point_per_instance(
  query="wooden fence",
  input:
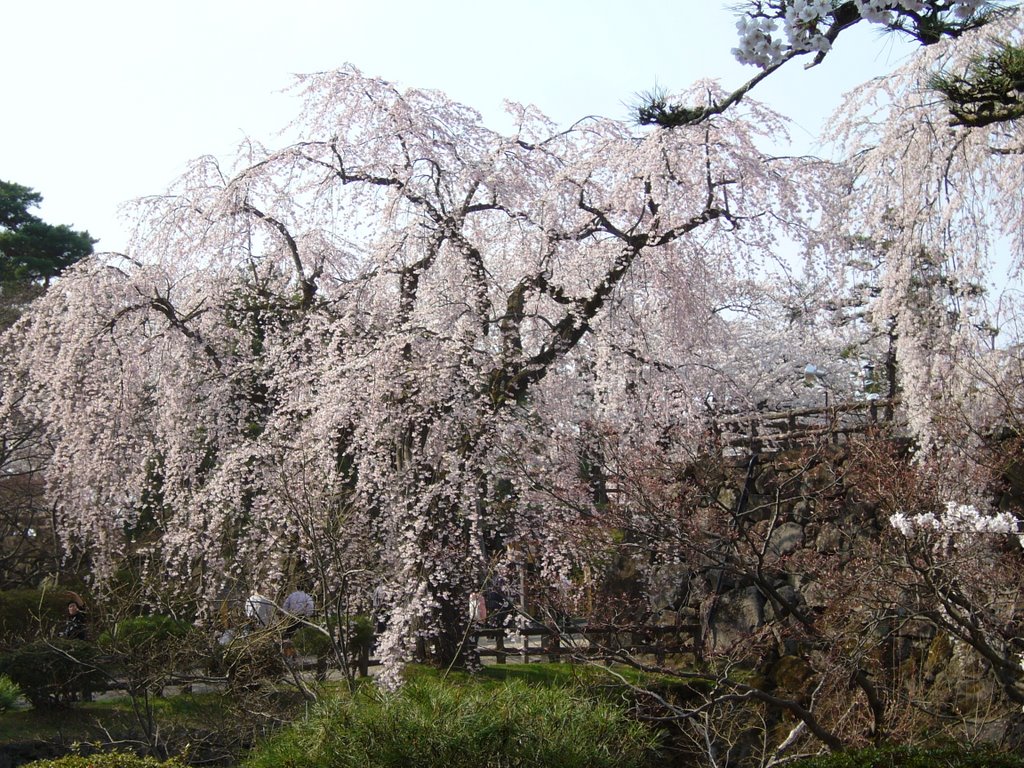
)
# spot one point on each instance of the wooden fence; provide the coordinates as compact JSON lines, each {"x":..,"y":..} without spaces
{"x":578,"y":640}
{"x":590,"y":641}
{"x":778,"y":430}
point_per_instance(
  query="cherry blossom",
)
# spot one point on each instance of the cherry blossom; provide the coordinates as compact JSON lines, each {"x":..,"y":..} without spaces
{"x":374,"y":356}
{"x":956,"y":519}
{"x":813,"y":25}
{"x":354,"y":353}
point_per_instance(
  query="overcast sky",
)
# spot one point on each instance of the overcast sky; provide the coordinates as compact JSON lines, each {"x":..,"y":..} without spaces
{"x":107,"y":101}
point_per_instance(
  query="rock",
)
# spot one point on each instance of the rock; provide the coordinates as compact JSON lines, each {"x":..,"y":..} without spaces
{"x":803,"y":510}
{"x":786,"y":539}
{"x":666,"y":586}
{"x":829,"y":539}
{"x":776,"y":610}
{"x":733,"y":617}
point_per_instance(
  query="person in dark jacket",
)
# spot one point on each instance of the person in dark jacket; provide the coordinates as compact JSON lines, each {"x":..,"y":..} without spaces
{"x":75,"y":627}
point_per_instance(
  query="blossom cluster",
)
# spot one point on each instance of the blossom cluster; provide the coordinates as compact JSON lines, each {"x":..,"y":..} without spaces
{"x":958,"y":519}
{"x":806,"y":24}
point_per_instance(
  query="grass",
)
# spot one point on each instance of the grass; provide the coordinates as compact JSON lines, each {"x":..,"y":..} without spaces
{"x":462,"y":721}
{"x":89,"y":721}
{"x":209,"y":717}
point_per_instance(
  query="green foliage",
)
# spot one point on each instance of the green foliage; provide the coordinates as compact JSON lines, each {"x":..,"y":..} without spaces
{"x":15,"y":200}
{"x":146,"y":635}
{"x":106,"y":760}
{"x":26,"y":614}
{"x":361,"y":631}
{"x":31,"y":251}
{"x":310,"y":641}
{"x":431,"y":722}
{"x":991,"y":89}
{"x":53,"y":672}
{"x":147,"y":649}
{"x":913,"y":757}
{"x":40,"y":251}
{"x":655,"y":108}
{"x":9,"y":693}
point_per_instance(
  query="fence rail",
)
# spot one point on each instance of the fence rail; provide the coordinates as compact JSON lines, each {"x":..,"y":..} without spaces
{"x":577,"y":640}
{"x":785,"y":429}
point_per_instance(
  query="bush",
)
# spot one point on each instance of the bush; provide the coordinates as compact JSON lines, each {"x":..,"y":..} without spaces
{"x":250,"y":660}
{"x":9,"y":693}
{"x":145,"y":634}
{"x":313,"y":641}
{"x":436,"y":723}
{"x":105,"y":760}
{"x":148,"y":649}
{"x":913,"y":757}
{"x":310,"y":641}
{"x":26,"y":614}
{"x":53,"y":672}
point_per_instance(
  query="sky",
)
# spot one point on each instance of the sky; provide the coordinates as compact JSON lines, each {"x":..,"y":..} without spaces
{"x":108,"y":101}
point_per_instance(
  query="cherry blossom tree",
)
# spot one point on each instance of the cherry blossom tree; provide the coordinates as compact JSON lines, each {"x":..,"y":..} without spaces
{"x":348,"y":337}
{"x":372,"y":354}
{"x":938,"y":204}
{"x":774,"y":32}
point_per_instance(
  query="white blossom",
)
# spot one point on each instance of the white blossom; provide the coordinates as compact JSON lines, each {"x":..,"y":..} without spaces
{"x":956,"y":519}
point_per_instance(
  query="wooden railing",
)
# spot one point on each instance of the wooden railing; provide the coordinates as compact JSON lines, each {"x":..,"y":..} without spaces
{"x":784,"y":429}
{"x":577,"y":640}
{"x":590,"y":641}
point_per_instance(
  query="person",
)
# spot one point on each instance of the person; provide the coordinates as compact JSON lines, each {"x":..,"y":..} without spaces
{"x":378,"y":609}
{"x":499,"y":607}
{"x":297,"y":607}
{"x":477,"y":609}
{"x":74,"y":628}
{"x":259,"y":610}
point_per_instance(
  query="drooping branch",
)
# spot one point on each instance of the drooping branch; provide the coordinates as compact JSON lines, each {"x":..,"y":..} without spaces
{"x":567,"y":333}
{"x":939,"y":19}
{"x":307,"y":283}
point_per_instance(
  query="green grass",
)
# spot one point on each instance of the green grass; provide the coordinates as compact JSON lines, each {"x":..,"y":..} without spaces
{"x":88,"y":721}
{"x":462,"y":722}
{"x":949,"y":756}
{"x":105,"y":760}
{"x":516,"y":685}
{"x":9,"y":693}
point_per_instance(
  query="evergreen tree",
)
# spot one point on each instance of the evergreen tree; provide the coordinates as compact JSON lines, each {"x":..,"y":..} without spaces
{"x":31,"y":251}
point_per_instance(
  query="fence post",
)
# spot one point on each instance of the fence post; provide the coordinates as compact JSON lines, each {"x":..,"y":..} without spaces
{"x":554,"y":647}
{"x":364,"y":659}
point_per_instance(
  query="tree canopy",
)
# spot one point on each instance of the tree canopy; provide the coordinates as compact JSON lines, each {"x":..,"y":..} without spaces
{"x":814,"y":26}
{"x":32,"y":252}
{"x":413,"y":352}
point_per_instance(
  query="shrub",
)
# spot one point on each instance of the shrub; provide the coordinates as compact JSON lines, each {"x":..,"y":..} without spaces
{"x":310,"y":641}
{"x":361,"y":632}
{"x":912,"y":757}
{"x":249,"y":660}
{"x":53,"y":672}
{"x":9,"y":693}
{"x":145,"y":634}
{"x":105,"y":760}
{"x":26,"y":614}
{"x":313,"y":641}
{"x":436,"y":723}
{"x":148,"y":649}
